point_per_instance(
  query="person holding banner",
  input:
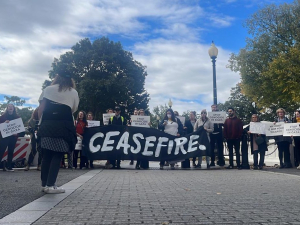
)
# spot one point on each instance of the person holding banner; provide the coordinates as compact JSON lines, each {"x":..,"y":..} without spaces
{"x":80,"y":125}
{"x":233,"y":131}
{"x":283,"y":143}
{"x":117,"y":119}
{"x":258,"y":144}
{"x":90,"y":116}
{"x":58,"y":102}
{"x":170,"y":125}
{"x":189,"y":128}
{"x":9,"y":142}
{"x":209,"y":127}
{"x":216,"y":138}
{"x":297,"y":141}
{"x":135,"y":113}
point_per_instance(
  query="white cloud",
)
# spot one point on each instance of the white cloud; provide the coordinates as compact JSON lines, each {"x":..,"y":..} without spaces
{"x":33,"y":32}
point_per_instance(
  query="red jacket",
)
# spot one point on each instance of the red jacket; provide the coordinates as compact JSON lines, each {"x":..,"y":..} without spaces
{"x":233,"y":128}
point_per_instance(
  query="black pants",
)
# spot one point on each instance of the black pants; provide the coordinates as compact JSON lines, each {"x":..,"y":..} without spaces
{"x":34,"y":150}
{"x":261,"y":159}
{"x":9,"y":143}
{"x":284,"y":152}
{"x":297,"y":150}
{"x":236,"y":143}
{"x":83,"y":159}
{"x":217,"y":139}
{"x":50,"y":167}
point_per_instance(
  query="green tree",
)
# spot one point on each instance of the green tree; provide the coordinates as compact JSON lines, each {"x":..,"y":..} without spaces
{"x":244,"y":107}
{"x":158,"y":113}
{"x":269,"y":65}
{"x":105,"y":75}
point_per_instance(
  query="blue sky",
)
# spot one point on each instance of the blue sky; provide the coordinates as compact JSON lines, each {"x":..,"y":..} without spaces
{"x":170,"y":37}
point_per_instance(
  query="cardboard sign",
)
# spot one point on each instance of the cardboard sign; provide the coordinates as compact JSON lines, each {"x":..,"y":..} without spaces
{"x":182,"y":119}
{"x":106,"y":117}
{"x":140,"y":121}
{"x":217,"y":117}
{"x":274,"y":129}
{"x":93,"y":123}
{"x":13,"y":127}
{"x":291,"y":129}
{"x":257,"y":128}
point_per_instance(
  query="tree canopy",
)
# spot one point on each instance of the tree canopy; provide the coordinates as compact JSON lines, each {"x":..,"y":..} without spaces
{"x":269,"y":65}
{"x":105,"y":75}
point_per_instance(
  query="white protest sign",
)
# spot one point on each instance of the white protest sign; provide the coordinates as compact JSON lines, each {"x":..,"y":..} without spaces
{"x":274,"y":129}
{"x":106,"y":117}
{"x":257,"y":128}
{"x":13,"y":127}
{"x":93,"y":123}
{"x":182,"y":119}
{"x":140,"y":121}
{"x":217,"y":117}
{"x":291,"y":129}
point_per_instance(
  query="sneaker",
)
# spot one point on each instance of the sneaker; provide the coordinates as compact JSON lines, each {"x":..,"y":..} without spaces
{"x":27,"y":168}
{"x":212,"y":164}
{"x":39,"y":168}
{"x":298,"y":168}
{"x":255,"y":167}
{"x":260,"y":168}
{"x":43,"y":188}
{"x":10,"y":170}
{"x":239,"y":167}
{"x":54,"y":190}
{"x":229,"y":167}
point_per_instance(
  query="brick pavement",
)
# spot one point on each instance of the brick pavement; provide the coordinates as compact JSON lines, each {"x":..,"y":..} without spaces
{"x":181,"y":197}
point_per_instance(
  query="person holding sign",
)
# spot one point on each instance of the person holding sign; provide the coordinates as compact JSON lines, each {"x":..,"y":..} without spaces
{"x":258,"y":145}
{"x":90,"y":116}
{"x":170,"y":125}
{"x":233,"y":131}
{"x":282,"y":142}
{"x":58,"y":102}
{"x":216,"y":138}
{"x":9,"y":142}
{"x":117,"y":119}
{"x":297,"y":141}
{"x":209,"y":127}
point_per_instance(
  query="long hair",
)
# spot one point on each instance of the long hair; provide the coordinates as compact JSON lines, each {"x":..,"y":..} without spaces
{"x":84,"y":117}
{"x":64,"y":83}
{"x":172,"y":115}
{"x":15,"y":115}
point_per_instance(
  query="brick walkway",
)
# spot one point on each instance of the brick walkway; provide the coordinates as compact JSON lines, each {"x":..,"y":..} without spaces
{"x":181,"y":197}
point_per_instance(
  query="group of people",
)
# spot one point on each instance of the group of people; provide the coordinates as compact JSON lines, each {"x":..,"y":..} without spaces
{"x":59,"y":135}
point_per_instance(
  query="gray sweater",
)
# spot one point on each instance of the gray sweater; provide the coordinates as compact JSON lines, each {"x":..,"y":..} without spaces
{"x":208,"y":125}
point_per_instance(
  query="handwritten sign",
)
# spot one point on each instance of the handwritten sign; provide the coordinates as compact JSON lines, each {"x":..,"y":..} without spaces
{"x":13,"y":127}
{"x":93,"y":123}
{"x":106,"y":117}
{"x":274,"y":129}
{"x":217,"y":117}
{"x":182,"y":119}
{"x":140,"y":121}
{"x":291,"y":129}
{"x":257,"y":128}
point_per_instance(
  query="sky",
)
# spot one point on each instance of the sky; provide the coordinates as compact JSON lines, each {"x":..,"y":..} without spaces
{"x":170,"y":37}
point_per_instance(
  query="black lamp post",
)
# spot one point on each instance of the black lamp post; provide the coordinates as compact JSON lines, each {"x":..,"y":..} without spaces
{"x":213,"y":53}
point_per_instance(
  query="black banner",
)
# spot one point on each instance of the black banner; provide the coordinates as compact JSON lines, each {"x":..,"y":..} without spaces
{"x":127,"y":142}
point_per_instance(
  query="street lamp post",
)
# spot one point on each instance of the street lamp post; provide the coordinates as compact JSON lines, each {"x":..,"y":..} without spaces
{"x":213,"y":53}
{"x":170,"y":103}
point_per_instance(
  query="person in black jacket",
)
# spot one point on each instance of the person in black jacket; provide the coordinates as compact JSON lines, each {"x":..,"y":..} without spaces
{"x":216,"y":138}
{"x":257,"y":147}
{"x":10,"y":141}
{"x":189,"y":128}
{"x":117,"y":119}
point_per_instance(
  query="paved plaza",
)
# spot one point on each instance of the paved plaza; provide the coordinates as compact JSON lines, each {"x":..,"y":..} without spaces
{"x":183,"y":197}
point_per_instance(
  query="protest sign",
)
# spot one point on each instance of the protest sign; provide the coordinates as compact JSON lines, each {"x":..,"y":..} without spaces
{"x":13,"y":127}
{"x":140,"y":121}
{"x":217,"y":117}
{"x":257,"y":128}
{"x":106,"y":117}
{"x":93,"y":123}
{"x":182,"y":119}
{"x":291,"y":129}
{"x":138,"y":143}
{"x":274,"y":129}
